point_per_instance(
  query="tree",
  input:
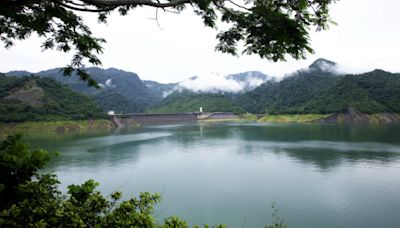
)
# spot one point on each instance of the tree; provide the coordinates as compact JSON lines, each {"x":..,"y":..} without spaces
{"x":31,"y":199}
{"x":272,"y":29}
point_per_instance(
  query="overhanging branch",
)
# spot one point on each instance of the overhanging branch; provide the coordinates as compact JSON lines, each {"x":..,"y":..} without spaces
{"x":116,"y":3}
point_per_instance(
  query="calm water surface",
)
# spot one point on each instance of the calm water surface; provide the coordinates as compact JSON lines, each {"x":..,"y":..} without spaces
{"x":231,"y":173}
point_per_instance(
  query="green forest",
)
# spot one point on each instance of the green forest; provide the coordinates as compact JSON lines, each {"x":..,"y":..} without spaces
{"x":43,"y":99}
{"x":309,"y":91}
{"x":191,"y":102}
{"x":315,"y":92}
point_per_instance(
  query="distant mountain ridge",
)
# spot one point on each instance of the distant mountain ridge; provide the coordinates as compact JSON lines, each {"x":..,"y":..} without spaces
{"x":124,"y":91}
{"x":249,"y":80}
{"x":320,"y":89}
{"x":230,"y":84}
{"x":121,"y":91}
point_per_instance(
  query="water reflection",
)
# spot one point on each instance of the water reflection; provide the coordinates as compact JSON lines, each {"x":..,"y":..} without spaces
{"x":320,"y":175}
{"x":323,"y":145}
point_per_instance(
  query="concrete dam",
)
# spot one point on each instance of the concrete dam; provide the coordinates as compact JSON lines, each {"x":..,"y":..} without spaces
{"x":131,"y":120}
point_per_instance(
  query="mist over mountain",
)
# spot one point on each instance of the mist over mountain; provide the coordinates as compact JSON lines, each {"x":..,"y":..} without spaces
{"x":160,"y":90}
{"x":123,"y":91}
{"x":324,"y":65}
{"x":212,"y":83}
{"x":321,"y":89}
{"x":187,"y":101}
{"x":249,"y":80}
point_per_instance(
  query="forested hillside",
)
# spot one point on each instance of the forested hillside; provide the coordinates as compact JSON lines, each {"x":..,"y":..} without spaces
{"x":120,"y":91}
{"x":318,"y":89}
{"x":34,"y":99}
{"x":160,"y":90}
{"x":191,"y":102}
{"x":321,"y":90}
{"x":372,"y":92}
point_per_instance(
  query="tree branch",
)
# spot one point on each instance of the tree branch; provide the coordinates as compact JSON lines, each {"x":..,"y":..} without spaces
{"x":237,"y":5}
{"x":116,"y":3}
{"x":84,"y":9}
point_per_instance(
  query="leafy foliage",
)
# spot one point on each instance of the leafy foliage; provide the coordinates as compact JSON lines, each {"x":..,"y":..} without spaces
{"x":270,"y":28}
{"x":17,"y":165}
{"x":61,"y":29}
{"x":34,"y":99}
{"x":277,"y":221}
{"x":36,"y":202}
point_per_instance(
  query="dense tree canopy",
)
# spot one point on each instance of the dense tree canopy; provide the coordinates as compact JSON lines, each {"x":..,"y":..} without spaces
{"x":272,"y":29}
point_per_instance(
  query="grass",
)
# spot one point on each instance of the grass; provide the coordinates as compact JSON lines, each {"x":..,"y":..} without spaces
{"x":374,"y":118}
{"x":56,"y":126}
{"x":301,"y":118}
{"x":248,"y":117}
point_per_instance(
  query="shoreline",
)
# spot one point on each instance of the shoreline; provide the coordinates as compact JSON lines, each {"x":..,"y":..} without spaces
{"x":82,"y":126}
{"x":57,"y":127}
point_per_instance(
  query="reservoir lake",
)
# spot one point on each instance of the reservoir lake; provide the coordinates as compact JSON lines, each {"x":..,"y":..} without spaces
{"x":317,"y":175}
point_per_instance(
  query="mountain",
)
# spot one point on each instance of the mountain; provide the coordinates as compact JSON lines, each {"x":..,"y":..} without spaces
{"x":292,"y":93}
{"x":323,"y":65}
{"x":374,"y":92}
{"x":320,"y":89}
{"x":191,"y":102}
{"x":120,"y":91}
{"x":249,"y":80}
{"x":34,"y":98}
{"x":123,"y":91}
{"x":230,"y":85}
{"x":160,"y":90}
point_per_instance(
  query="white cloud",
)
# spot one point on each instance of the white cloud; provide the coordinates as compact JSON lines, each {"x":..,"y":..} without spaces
{"x":211,"y":83}
{"x":252,"y":83}
{"x":338,"y":69}
{"x":167,"y":93}
{"x":109,"y":83}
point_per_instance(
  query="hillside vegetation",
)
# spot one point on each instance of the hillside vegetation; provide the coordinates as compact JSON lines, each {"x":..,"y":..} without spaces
{"x":42,"y":99}
{"x":320,"y":91}
{"x":120,"y":91}
{"x":191,"y":102}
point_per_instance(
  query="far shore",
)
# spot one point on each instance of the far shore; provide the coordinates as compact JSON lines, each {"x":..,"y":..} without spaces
{"x":82,"y":126}
{"x":61,"y":126}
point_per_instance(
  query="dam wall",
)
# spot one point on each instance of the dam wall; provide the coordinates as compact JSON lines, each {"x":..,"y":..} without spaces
{"x":131,"y":120}
{"x":222,"y":115}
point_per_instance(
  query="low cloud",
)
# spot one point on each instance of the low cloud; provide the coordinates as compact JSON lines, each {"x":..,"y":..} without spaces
{"x":109,"y":83}
{"x":254,"y":82}
{"x":336,"y":69}
{"x":211,"y":83}
{"x":345,"y":69}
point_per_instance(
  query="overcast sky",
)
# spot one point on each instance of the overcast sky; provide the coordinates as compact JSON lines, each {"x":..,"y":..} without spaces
{"x":367,"y":37}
